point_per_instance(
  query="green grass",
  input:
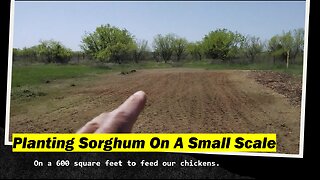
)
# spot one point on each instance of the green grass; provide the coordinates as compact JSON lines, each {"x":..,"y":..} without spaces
{"x":295,"y":70}
{"x":35,"y":74}
{"x":40,"y":73}
{"x":141,"y":65}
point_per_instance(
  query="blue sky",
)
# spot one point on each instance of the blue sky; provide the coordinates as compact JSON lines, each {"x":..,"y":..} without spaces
{"x":67,"y":22}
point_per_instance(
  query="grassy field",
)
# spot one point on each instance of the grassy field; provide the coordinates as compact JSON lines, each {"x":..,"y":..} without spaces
{"x":292,"y":70}
{"x":40,"y":73}
{"x":36,"y":74}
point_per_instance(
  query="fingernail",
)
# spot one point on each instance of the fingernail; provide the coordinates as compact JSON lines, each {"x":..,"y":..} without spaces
{"x":140,"y":93}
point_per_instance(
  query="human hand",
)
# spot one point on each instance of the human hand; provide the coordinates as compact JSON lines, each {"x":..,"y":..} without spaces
{"x":120,"y":120}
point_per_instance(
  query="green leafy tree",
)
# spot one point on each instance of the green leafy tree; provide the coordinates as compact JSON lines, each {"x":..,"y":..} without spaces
{"x":252,"y":47}
{"x":286,"y":41}
{"x":140,"y":50}
{"x":163,"y":45}
{"x":287,"y":45}
{"x":16,"y":52}
{"x":196,"y":50}
{"x":179,"y":47}
{"x":108,"y":44}
{"x":53,"y":51}
{"x":29,"y":54}
{"x":274,"y":47}
{"x":298,"y":43}
{"x":236,"y":45}
{"x":156,"y":55}
{"x":222,"y":44}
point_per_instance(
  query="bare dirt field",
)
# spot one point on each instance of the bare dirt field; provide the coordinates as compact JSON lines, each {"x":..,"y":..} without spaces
{"x":179,"y":101}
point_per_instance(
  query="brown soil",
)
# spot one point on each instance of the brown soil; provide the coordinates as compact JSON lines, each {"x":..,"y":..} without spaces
{"x":285,"y":84}
{"x":179,"y":101}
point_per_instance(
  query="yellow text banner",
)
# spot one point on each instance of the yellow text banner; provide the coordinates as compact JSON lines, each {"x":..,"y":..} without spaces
{"x":144,"y":143}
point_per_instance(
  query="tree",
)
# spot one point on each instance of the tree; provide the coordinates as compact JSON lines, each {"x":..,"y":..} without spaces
{"x":286,"y":41}
{"x":236,"y":46}
{"x":140,"y":50}
{"x":196,"y":50}
{"x":298,"y":43}
{"x":288,"y":45}
{"x":79,"y":55}
{"x":16,"y":52}
{"x":252,"y":47}
{"x":274,"y":47}
{"x":108,"y":43}
{"x":163,"y":45}
{"x":156,"y":55}
{"x":53,"y":51}
{"x":29,"y":54}
{"x":179,"y":47}
{"x":222,"y":44}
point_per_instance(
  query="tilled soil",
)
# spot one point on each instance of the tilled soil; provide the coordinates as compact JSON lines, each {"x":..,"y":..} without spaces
{"x":282,"y":83}
{"x":178,"y":101}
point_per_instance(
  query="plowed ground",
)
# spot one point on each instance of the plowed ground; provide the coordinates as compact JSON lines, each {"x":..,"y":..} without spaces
{"x":179,"y":101}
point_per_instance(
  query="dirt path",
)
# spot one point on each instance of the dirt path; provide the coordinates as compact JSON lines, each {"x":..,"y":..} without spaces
{"x":179,"y":101}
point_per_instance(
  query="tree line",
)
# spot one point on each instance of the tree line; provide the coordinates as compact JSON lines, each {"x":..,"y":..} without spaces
{"x":112,"y":44}
{"x":49,"y":51}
